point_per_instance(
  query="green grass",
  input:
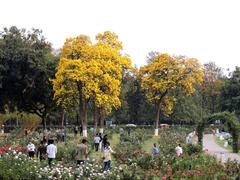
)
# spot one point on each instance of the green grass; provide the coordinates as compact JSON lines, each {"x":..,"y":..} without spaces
{"x":221,"y":143}
{"x":114,"y":141}
{"x":147,"y":145}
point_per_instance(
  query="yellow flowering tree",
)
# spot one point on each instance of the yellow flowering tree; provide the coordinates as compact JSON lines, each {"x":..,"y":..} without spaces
{"x":112,"y":65}
{"x":163,"y":75}
{"x":90,"y":72}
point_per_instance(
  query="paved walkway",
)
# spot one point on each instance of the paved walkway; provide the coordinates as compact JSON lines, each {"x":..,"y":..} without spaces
{"x":214,"y":149}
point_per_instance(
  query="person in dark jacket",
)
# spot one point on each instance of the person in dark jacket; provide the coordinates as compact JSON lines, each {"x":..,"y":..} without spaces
{"x":104,"y":141}
{"x":42,"y":151}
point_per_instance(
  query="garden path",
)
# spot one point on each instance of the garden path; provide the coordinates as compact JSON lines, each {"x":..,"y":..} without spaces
{"x":214,"y":149}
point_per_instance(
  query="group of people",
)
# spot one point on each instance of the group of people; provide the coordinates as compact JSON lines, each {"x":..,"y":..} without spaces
{"x":75,"y":130}
{"x":101,"y":143}
{"x":178,"y":150}
{"x":43,"y":151}
{"x":47,"y":150}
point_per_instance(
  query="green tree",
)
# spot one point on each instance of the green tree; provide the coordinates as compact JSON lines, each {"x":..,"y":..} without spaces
{"x":211,"y":87}
{"x":27,"y":64}
{"x":188,"y":109}
{"x":230,"y":93}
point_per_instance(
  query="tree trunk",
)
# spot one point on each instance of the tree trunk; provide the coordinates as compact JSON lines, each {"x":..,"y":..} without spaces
{"x":95,"y":119}
{"x":63,"y":118}
{"x":101,"y":120}
{"x":83,"y":116}
{"x":157,"y":119}
{"x":44,"y":122}
{"x":213,"y":104}
{"x":82,"y":110}
{"x":77,"y":118}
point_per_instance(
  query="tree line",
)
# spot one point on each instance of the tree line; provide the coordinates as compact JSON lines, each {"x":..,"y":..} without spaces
{"x":88,"y":82}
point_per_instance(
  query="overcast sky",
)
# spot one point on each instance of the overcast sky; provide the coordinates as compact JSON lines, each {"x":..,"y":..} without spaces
{"x":208,"y":30}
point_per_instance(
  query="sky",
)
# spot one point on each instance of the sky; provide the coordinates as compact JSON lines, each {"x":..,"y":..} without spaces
{"x":208,"y":30}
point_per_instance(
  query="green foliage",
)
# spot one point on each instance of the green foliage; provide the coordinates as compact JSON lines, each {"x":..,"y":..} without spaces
{"x":16,"y":168}
{"x":192,"y":149}
{"x":27,"y":63}
{"x":210,"y":89}
{"x":187,"y":109}
{"x":230,"y":93}
{"x":66,"y":151}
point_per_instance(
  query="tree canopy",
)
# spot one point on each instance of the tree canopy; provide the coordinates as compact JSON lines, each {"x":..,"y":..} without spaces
{"x":163,"y":75}
{"x":230,"y":93}
{"x":26,"y":64}
{"x":90,"y":72}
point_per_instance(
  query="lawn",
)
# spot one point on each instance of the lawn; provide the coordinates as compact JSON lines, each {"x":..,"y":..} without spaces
{"x":221,"y":143}
{"x":114,"y":141}
{"x":147,"y":145}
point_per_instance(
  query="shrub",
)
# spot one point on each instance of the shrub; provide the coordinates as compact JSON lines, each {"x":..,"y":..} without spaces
{"x":191,"y":149}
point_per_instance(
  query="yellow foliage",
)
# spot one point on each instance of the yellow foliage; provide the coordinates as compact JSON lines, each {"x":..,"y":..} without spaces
{"x":92,"y":71}
{"x":166,"y":73}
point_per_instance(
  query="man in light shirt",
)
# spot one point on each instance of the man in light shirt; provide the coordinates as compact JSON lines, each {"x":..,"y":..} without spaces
{"x":51,"y":151}
{"x":96,"y":140}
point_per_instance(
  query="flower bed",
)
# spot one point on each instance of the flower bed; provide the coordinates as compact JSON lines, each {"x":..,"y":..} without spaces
{"x":130,"y":162}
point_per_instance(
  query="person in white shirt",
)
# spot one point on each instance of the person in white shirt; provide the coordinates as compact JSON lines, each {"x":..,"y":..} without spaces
{"x":51,"y":151}
{"x":96,"y":140}
{"x":179,"y":150}
{"x":31,"y":150}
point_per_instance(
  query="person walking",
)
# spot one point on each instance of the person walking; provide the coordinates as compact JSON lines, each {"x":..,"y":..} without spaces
{"x":107,"y":157}
{"x":81,"y":152}
{"x":51,"y":151}
{"x":63,"y":134}
{"x":31,"y":150}
{"x":75,"y":131}
{"x":96,"y":140}
{"x":155,"y":150}
{"x":100,"y":143}
{"x":104,"y":141}
{"x":41,"y":151}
